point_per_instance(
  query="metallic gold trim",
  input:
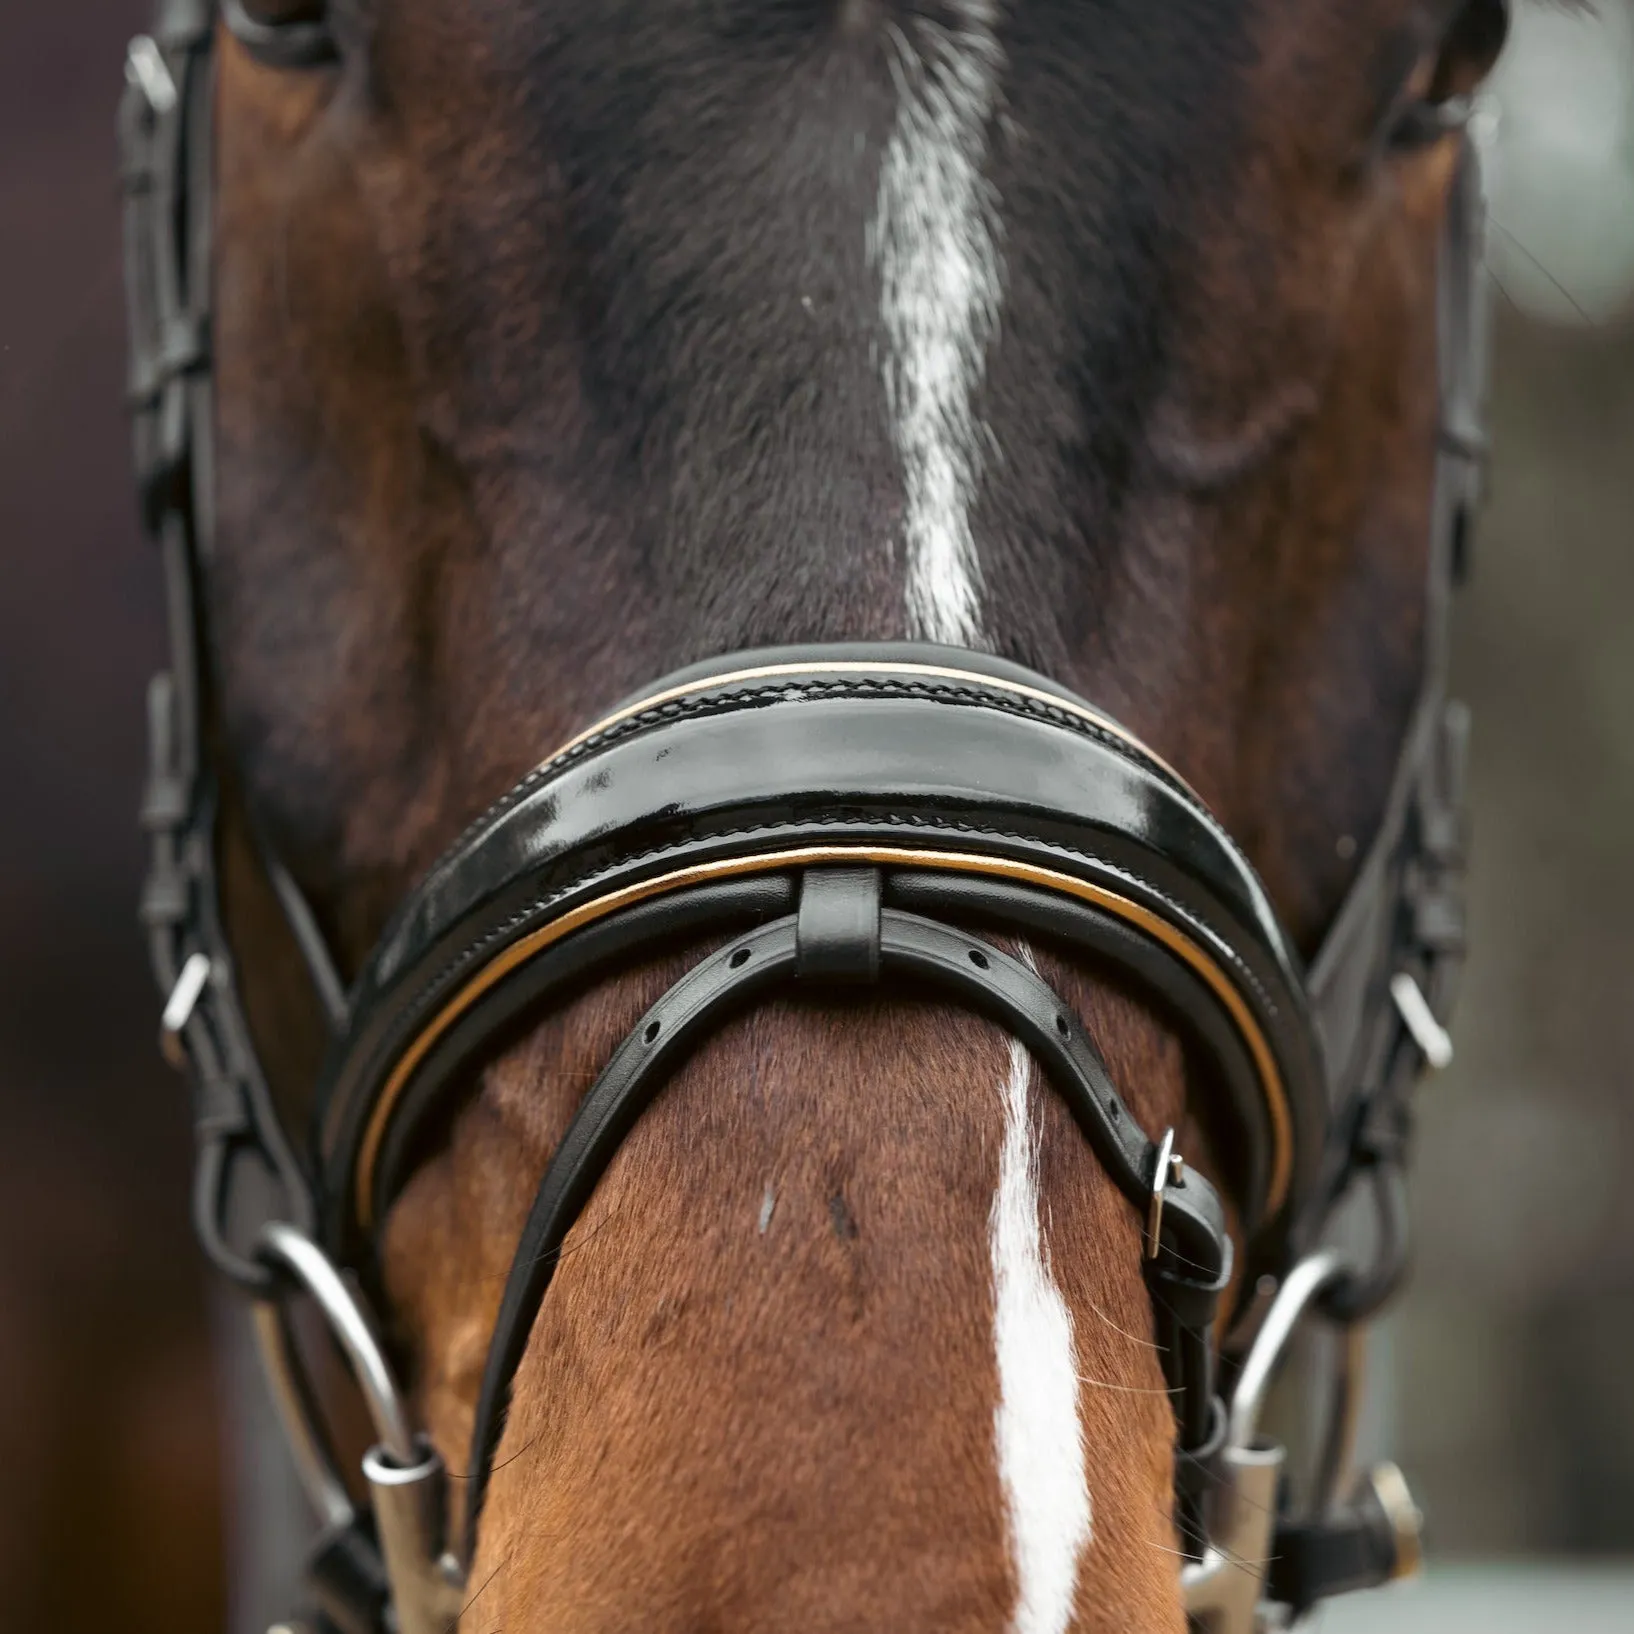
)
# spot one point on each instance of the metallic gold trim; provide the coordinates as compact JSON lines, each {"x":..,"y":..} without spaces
{"x":1395,"y":1498}
{"x":851,"y":666}
{"x":883,"y":856}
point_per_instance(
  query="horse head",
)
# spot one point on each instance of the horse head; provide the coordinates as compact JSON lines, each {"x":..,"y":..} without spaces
{"x":558,"y":347}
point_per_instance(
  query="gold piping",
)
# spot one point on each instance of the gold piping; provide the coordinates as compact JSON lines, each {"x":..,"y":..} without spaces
{"x":1177,"y":941}
{"x":850,"y":666}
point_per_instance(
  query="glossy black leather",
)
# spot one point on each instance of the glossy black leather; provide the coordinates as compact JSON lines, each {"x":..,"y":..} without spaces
{"x":685,"y":917}
{"x":746,"y":767}
{"x":799,"y":753}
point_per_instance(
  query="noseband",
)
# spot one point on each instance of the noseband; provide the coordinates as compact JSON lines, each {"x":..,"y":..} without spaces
{"x":835,"y":818}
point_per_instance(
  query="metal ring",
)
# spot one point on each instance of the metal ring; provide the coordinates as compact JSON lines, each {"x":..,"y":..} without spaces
{"x":1294,"y":1298}
{"x":1302,"y":1294}
{"x":298,"y":1413}
{"x":292,"y":1251}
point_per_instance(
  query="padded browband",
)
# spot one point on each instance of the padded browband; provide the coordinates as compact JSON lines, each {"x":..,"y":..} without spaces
{"x":978,"y":786}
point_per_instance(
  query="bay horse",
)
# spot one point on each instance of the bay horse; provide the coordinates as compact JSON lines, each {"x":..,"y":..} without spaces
{"x":508,"y":356}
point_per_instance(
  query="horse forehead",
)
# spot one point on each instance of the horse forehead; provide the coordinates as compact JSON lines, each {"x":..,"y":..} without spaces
{"x":687,"y":86}
{"x":702,"y":184}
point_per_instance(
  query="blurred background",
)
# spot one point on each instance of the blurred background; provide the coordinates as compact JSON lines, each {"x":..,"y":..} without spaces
{"x":1504,"y":1389}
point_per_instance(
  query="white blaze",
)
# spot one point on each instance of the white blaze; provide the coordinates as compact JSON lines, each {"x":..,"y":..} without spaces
{"x":933,"y":239}
{"x":1040,"y":1441}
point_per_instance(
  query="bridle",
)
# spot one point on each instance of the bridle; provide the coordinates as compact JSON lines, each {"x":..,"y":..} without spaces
{"x":834,"y":817}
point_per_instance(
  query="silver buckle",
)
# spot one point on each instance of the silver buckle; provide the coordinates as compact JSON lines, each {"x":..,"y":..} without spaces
{"x":179,"y":1007}
{"x":1428,"y":1033}
{"x":147,"y":70}
{"x":1170,"y":1168}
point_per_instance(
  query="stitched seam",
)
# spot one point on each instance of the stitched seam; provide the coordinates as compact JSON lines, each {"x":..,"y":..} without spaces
{"x":792,"y":688}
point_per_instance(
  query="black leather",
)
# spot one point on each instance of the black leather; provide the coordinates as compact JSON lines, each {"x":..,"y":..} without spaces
{"x":670,"y":922}
{"x":837,"y":935}
{"x":167,"y":185}
{"x":876,"y":757}
{"x":347,"y":1580}
{"x":807,"y":749}
{"x":1314,"y":1560}
{"x":843,"y":933}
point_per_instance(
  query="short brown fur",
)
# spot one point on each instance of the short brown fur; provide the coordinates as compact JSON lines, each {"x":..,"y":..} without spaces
{"x":484,"y":469}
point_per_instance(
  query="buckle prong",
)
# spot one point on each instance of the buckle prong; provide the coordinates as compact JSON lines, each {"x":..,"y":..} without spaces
{"x":1170,"y":1167}
{"x":1428,"y":1033}
{"x":179,"y":1007}
{"x":146,"y":68}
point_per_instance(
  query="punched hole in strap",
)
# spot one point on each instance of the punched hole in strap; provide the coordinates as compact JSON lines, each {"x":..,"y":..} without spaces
{"x":837,"y":930}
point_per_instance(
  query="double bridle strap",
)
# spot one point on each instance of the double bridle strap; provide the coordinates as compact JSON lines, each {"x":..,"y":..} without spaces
{"x":919,"y":760}
{"x":831,"y":811}
{"x":842,"y":934}
{"x":829,"y":819}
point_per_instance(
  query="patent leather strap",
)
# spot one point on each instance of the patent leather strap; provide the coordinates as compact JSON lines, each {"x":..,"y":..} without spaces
{"x":911,"y":758}
{"x":843,"y":935}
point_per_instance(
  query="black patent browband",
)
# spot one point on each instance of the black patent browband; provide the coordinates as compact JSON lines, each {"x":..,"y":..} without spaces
{"x":580,"y":840}
{"x":779,"y":667}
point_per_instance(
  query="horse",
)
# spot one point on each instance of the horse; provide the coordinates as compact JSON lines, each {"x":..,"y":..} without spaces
{"x":1014,"y":354}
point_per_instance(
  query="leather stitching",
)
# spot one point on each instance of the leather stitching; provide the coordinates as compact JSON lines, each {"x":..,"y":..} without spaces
{"x":793,"y":690}
{"x":433,"y":989}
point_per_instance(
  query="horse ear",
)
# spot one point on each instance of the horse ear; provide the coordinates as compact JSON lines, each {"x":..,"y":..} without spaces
{"x":1440,"y":96}
{"x":1471,"y":48}
{"x":281,"y":33}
